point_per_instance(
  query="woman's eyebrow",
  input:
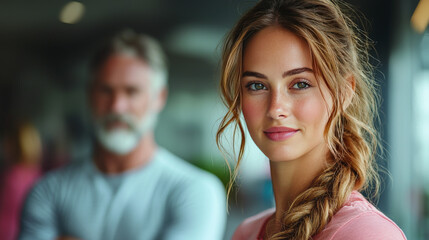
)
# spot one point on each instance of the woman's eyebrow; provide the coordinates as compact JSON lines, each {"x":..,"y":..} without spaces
{"x":296,"y":71}
{"x":253,"y":74}
{"x":285,"y":74}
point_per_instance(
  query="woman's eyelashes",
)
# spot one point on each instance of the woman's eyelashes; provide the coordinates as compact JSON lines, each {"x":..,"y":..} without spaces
{"x":300,"y":84}
{"x":255,"y":86}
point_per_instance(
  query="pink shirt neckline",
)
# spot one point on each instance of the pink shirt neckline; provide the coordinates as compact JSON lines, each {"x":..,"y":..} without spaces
{"x":261,"y":233}
{"x":354,"y":196}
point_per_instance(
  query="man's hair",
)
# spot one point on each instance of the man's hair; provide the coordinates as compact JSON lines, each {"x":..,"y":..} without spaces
{"x":141,"y":46}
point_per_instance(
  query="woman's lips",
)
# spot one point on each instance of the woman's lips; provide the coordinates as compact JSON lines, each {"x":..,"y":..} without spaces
{"x":280,"y":133}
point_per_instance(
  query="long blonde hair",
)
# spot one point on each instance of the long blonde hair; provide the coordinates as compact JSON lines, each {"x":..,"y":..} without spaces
{"x":339,"y":51}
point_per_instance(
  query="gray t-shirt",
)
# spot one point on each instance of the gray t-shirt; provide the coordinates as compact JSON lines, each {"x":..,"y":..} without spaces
{"x":166,"y":199}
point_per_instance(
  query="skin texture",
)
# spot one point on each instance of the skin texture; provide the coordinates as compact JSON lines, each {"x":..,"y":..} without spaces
{"x":293,"y":101}
{"x":280,"y":89}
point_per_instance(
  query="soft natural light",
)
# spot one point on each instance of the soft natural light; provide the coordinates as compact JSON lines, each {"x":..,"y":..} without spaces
{"x":72,"y":12}
{"x":420,"y":18}
{"x":421,"y":126}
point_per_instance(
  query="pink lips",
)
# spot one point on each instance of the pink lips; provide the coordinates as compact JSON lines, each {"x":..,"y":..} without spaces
{"x":280,"y":133}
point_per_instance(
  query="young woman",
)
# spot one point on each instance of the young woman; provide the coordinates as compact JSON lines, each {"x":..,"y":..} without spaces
{"x":298,"y":72}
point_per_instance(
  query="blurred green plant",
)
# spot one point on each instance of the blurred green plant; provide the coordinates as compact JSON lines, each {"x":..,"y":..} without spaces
{"x":216,"y":166}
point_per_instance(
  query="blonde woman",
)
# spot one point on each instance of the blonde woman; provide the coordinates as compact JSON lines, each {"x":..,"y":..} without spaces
{"x":298,"y":72}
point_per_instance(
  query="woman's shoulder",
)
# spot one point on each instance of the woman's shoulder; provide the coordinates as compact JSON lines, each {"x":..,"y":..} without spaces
{"x":359,"y":219}
{"x":251,"y":227}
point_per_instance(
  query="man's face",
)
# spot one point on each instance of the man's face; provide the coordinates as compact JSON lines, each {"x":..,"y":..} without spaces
{"x":124,"y":104}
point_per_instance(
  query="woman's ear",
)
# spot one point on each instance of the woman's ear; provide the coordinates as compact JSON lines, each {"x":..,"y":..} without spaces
{"x":349,"y":92}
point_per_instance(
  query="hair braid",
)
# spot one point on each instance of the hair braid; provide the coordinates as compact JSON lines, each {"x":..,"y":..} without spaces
{"x":314,"y":208}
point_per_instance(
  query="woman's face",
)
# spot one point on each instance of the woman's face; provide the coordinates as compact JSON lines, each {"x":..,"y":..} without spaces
{"x":286,"y":109}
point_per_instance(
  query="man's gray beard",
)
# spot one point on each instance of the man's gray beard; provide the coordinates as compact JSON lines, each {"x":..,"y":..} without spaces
{"x":123,"y":140}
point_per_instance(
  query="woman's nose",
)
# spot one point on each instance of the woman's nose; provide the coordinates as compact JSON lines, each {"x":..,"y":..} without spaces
{"x":278,"y":106}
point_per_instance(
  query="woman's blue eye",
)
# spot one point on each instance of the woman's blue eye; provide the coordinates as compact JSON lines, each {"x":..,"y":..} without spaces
{"x":301,"y":85}
{"x":256,"y":86}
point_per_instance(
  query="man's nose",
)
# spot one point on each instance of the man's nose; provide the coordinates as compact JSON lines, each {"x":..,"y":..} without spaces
{"x":118,"y":104}
{"x":279,"y":105}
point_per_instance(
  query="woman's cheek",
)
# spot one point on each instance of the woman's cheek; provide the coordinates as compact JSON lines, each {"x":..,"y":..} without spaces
{"x":252,"y":111}
{"x":311,"y":112}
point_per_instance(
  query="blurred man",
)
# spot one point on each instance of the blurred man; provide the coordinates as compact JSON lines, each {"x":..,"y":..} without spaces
{"x":131,"y":188}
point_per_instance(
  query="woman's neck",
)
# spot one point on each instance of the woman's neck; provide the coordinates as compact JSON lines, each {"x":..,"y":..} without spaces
{"x":291,"y":178}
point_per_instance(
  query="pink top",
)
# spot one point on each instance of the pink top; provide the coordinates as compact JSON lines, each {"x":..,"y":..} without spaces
{"x":15,"y":183}
{"x":357,"y":219}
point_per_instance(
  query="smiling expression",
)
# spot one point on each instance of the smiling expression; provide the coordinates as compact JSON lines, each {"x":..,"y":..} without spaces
{"x":284,"y":105}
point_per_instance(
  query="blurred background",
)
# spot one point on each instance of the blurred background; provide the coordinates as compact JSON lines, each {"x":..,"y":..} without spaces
{"x":45,"y":47}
